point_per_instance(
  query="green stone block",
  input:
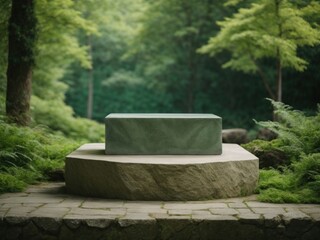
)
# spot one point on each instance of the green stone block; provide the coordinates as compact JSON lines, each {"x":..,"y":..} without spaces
{"x":163,"y":134}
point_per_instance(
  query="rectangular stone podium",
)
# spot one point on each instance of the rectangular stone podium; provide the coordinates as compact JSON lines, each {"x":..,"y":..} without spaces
{"x":163,"y":134}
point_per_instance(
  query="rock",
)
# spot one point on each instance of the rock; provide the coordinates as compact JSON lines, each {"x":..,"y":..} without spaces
{"x":268,"y":153}
{"x":271,"y":158}
{"x":13,"y":232}
{"x":66,"y":233}
{"x":50,"y":225}
{"x":235,"y":135}
{"x":72,"y":223}
{"x":266,"y":134}
{"x":30,"y":231}
{"x":15,"y":220}
{"x":161,"y":177}
{"x":98,"y":223}
{"x":147,"y":134}
{"x":56,"y":175}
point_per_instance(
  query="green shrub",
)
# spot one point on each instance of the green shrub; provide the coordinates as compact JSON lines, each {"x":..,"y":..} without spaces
{"x":299,"y":138}
{"x":31,"y":154}
{"x":28,"y":176}
{"x":307,"y":172}
{"x":28,"y":154}
{"x":276,"y":195}
{"x":275,"y":179}
{"x":59,"y":118}
{"x":297,"y":133}
{"x":9,"y":183}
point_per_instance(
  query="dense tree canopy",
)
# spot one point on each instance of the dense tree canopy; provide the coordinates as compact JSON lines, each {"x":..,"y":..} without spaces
{"x":142,"y":56}
{"x":267,"y":29}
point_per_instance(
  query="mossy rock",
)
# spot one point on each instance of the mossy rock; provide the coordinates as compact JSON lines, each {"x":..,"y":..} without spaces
{"x":268,"y":152}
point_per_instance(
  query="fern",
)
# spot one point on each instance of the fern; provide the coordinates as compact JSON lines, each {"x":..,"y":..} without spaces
{"x":299,"y":133}
{"x":27,"y":154}
{"x":299,"y":138}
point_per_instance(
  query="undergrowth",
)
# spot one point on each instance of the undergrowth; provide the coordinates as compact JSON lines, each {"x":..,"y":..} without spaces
{"x":27,"y":154}
{"x":298,"y":181}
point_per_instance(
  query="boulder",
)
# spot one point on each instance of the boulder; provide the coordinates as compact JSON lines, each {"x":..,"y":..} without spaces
{"x":235,"y":135}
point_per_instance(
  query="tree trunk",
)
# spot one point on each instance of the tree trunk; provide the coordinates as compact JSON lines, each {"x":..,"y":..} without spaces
{"x":279,"y":77}
{"x":279,"y":65}
{"x":190,"y":61}
{"x":90,"y":83}
{"x":22,"y":35}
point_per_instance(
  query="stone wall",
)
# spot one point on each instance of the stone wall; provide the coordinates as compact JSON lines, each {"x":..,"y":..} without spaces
{"x":217,"y":228}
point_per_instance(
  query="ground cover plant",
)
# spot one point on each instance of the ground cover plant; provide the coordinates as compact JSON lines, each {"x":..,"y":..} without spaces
{"x":298,"y":178}
{"x":27,"y":155}
{"x":32,"y":154}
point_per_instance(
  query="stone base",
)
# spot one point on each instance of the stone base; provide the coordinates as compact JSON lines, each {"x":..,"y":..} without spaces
{"x":90,"y":172}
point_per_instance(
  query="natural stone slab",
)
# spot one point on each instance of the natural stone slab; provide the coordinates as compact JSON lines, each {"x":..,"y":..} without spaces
{"x":180,"y":212}
{"x":238,"y":205}
{"x":20,"y":211}
{"x":102,"y":204}
{"x":146,"y":210}
{"x":243,"y":210}
{"x":161,"y":177}
{"x":143,"y":204}
{"x":268,"y":210}
{"x":163,"y":134}
{"x":223,"y":211}
{"x":215,"y":217}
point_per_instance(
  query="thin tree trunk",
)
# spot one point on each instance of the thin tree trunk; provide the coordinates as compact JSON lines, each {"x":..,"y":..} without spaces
{"x":190,"y":62}
{"x":22,"y":35}
{"x":279,"y":77}
{"x":191,"y":84}
{"x":90,"y":83}
{"x":279,"y":65}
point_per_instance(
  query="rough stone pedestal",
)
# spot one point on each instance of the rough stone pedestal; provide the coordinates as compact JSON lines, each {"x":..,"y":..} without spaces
{"x":90,"y":172}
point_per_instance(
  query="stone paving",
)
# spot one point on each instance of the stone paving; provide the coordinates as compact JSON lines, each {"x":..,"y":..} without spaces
{"x":46,"y":212}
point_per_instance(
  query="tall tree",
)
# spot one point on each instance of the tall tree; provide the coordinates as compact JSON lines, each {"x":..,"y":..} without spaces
{"x":267,"y":29}
{"x":22,"y":36}
{"x":172,"y":31}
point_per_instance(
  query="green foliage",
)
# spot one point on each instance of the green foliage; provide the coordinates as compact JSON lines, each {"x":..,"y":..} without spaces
{"x":154,"y":43}
{"x":28,"y":153}
{"x":253,"y":33}
{"x":274,"y":179}
{"x":299,"y":139}
{"x":9,"y":183}
{"x":262,"y":145}
{"x":276,"y":195}
{"x":297,"y":132}
{"x":266,"y":30}
{"x":299,"y":185}
{"x":307,"y":172}
{"x":28,"y":176}
{"x":59,"y":118}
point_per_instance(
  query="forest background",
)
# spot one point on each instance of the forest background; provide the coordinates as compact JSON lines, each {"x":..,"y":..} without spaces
{"x":129,"y":56}
{"x":95,"y":57}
